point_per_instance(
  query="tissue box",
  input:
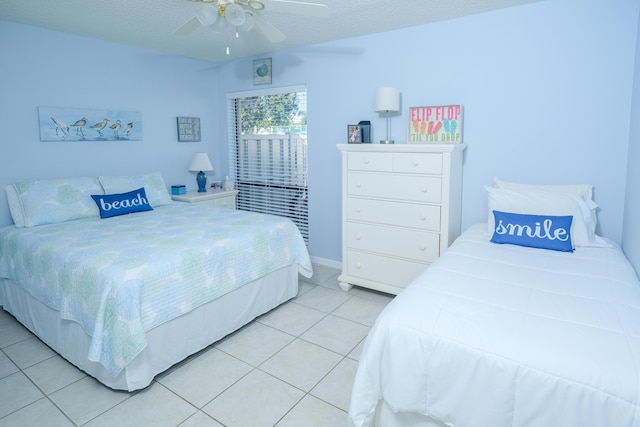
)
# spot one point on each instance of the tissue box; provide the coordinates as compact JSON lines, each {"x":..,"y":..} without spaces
{"x":178,"y":189}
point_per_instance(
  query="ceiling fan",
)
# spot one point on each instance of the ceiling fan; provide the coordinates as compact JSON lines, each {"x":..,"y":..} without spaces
{"x":244,"y":15}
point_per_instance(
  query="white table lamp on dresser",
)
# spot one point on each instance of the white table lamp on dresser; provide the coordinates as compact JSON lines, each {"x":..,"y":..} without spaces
{"x":387,"y":102}
{"x":401,"y":208}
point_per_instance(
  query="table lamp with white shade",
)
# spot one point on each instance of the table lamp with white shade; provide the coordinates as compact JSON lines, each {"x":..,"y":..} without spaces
{"x":387,"y":101}
{"x":201,"y":163}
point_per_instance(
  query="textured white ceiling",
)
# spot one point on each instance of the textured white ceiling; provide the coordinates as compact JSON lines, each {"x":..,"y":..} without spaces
{"x":151,"y":23}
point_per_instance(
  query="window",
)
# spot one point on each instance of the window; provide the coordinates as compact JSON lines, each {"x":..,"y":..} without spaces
{"x":268,"y":152}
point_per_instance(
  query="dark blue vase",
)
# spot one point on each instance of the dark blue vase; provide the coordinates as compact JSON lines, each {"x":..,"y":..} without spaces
{"x":202,"y":182}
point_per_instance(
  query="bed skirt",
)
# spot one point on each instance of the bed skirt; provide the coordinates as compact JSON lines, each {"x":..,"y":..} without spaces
{"x":386,"y":417}
{"x":168,"y":343}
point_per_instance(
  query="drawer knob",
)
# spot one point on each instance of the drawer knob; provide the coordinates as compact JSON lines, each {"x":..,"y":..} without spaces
{"x":366,"y":161}
{"x":416,"y":163}
{"x":358,"y":236}
{"x":358,"y":210}
{"x":423,"y":217}
{"x":423,"y":247}
{"x":424,"y":189}
{"x":358,"y":184}
{"x":358,"y":265}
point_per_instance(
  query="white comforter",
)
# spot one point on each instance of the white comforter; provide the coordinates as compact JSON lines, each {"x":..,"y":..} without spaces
{"x":502,"y":335}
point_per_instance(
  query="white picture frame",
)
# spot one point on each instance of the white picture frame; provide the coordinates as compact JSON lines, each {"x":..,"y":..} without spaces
{"x":262,"y":71}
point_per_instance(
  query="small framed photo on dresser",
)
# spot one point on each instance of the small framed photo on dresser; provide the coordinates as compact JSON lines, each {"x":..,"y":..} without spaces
{"x":354,"y":134}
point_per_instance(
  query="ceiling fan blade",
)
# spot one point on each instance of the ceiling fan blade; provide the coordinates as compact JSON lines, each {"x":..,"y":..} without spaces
{"x":188,"y":27}
{"x":297,"y":7}
{"x":271,"y":33}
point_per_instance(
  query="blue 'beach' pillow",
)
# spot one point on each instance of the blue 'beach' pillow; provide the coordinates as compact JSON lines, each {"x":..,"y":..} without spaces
{"x":534,"y":231}
{"x":123,"y":203}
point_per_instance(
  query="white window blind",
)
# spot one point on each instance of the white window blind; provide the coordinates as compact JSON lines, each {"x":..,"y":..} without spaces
{"x":268,"y":152}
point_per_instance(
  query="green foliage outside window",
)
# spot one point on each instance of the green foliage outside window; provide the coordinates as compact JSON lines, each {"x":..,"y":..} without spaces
{"x":271,"y":114}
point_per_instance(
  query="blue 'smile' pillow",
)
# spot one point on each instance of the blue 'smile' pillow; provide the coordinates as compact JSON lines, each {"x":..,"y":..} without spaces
{"x":123,"y":203}
{"x":534,"y":231}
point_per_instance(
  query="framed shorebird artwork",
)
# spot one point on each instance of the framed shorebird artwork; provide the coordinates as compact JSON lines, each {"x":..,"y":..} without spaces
{"x":59,"y":124}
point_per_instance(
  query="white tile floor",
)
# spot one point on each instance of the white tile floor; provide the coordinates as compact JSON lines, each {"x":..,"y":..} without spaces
{"x":293,"y":366}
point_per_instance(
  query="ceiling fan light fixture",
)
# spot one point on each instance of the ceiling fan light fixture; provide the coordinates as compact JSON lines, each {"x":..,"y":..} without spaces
{"x":242,"y":15}
{"x":255,"y":4}
{"x":235,"y":14}
{"x":207,"y":15}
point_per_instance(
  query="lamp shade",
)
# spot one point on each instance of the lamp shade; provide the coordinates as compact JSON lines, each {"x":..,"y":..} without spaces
{"x":200,"y":162}
{"x":387,"y":99}
{"x":235,"y":14}
{"x":207,"y":14}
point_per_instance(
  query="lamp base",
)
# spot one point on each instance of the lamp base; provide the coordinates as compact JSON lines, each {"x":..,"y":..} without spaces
{"x":386,"y":141}
{"x":201,"y":179}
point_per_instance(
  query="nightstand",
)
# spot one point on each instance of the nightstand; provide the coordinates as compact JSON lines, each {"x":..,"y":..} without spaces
{"x":218,"y":198}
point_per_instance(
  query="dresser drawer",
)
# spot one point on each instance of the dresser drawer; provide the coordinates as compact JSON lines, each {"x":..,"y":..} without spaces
{"x":423,"y":217}
{"x":428,"y":163}
{"x":398,"y":242}
{"x":381,"y":162}
{"x":382,"y":269}
{"x":228,"y":202}
{"x":395,"y":186}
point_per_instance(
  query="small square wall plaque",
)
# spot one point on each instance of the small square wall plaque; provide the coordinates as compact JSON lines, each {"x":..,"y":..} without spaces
{"x":262,"y":71}
{"x":188,"y":129}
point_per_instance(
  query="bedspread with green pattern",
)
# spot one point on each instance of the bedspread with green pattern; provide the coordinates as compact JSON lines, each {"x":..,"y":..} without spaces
{"x":122,"y":276}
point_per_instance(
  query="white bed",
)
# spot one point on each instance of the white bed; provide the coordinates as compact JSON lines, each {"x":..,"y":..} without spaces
{"x":125,"y":298}
{"x":505,"y":335}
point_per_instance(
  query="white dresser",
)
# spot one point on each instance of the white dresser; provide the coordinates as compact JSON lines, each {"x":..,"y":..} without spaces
{"x":401,"y":207}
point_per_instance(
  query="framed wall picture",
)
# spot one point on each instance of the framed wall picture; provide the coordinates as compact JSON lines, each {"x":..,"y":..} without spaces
{"x":437,"y":124}
{"x":188,"y":129}
{"x":262,"y":71}
{"x":84,"y":124}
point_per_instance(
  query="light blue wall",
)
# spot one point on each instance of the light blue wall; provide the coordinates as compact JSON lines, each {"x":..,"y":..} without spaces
{"x":546,"y":89}
{"x":46,"y":68}
{"x":631,"y":226}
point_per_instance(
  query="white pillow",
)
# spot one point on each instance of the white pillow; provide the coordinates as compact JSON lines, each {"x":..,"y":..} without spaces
{"x":585,"y":190}
{"x":536,"y":202}
{"x":14,"y":205}
{"x":154,"y":187}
